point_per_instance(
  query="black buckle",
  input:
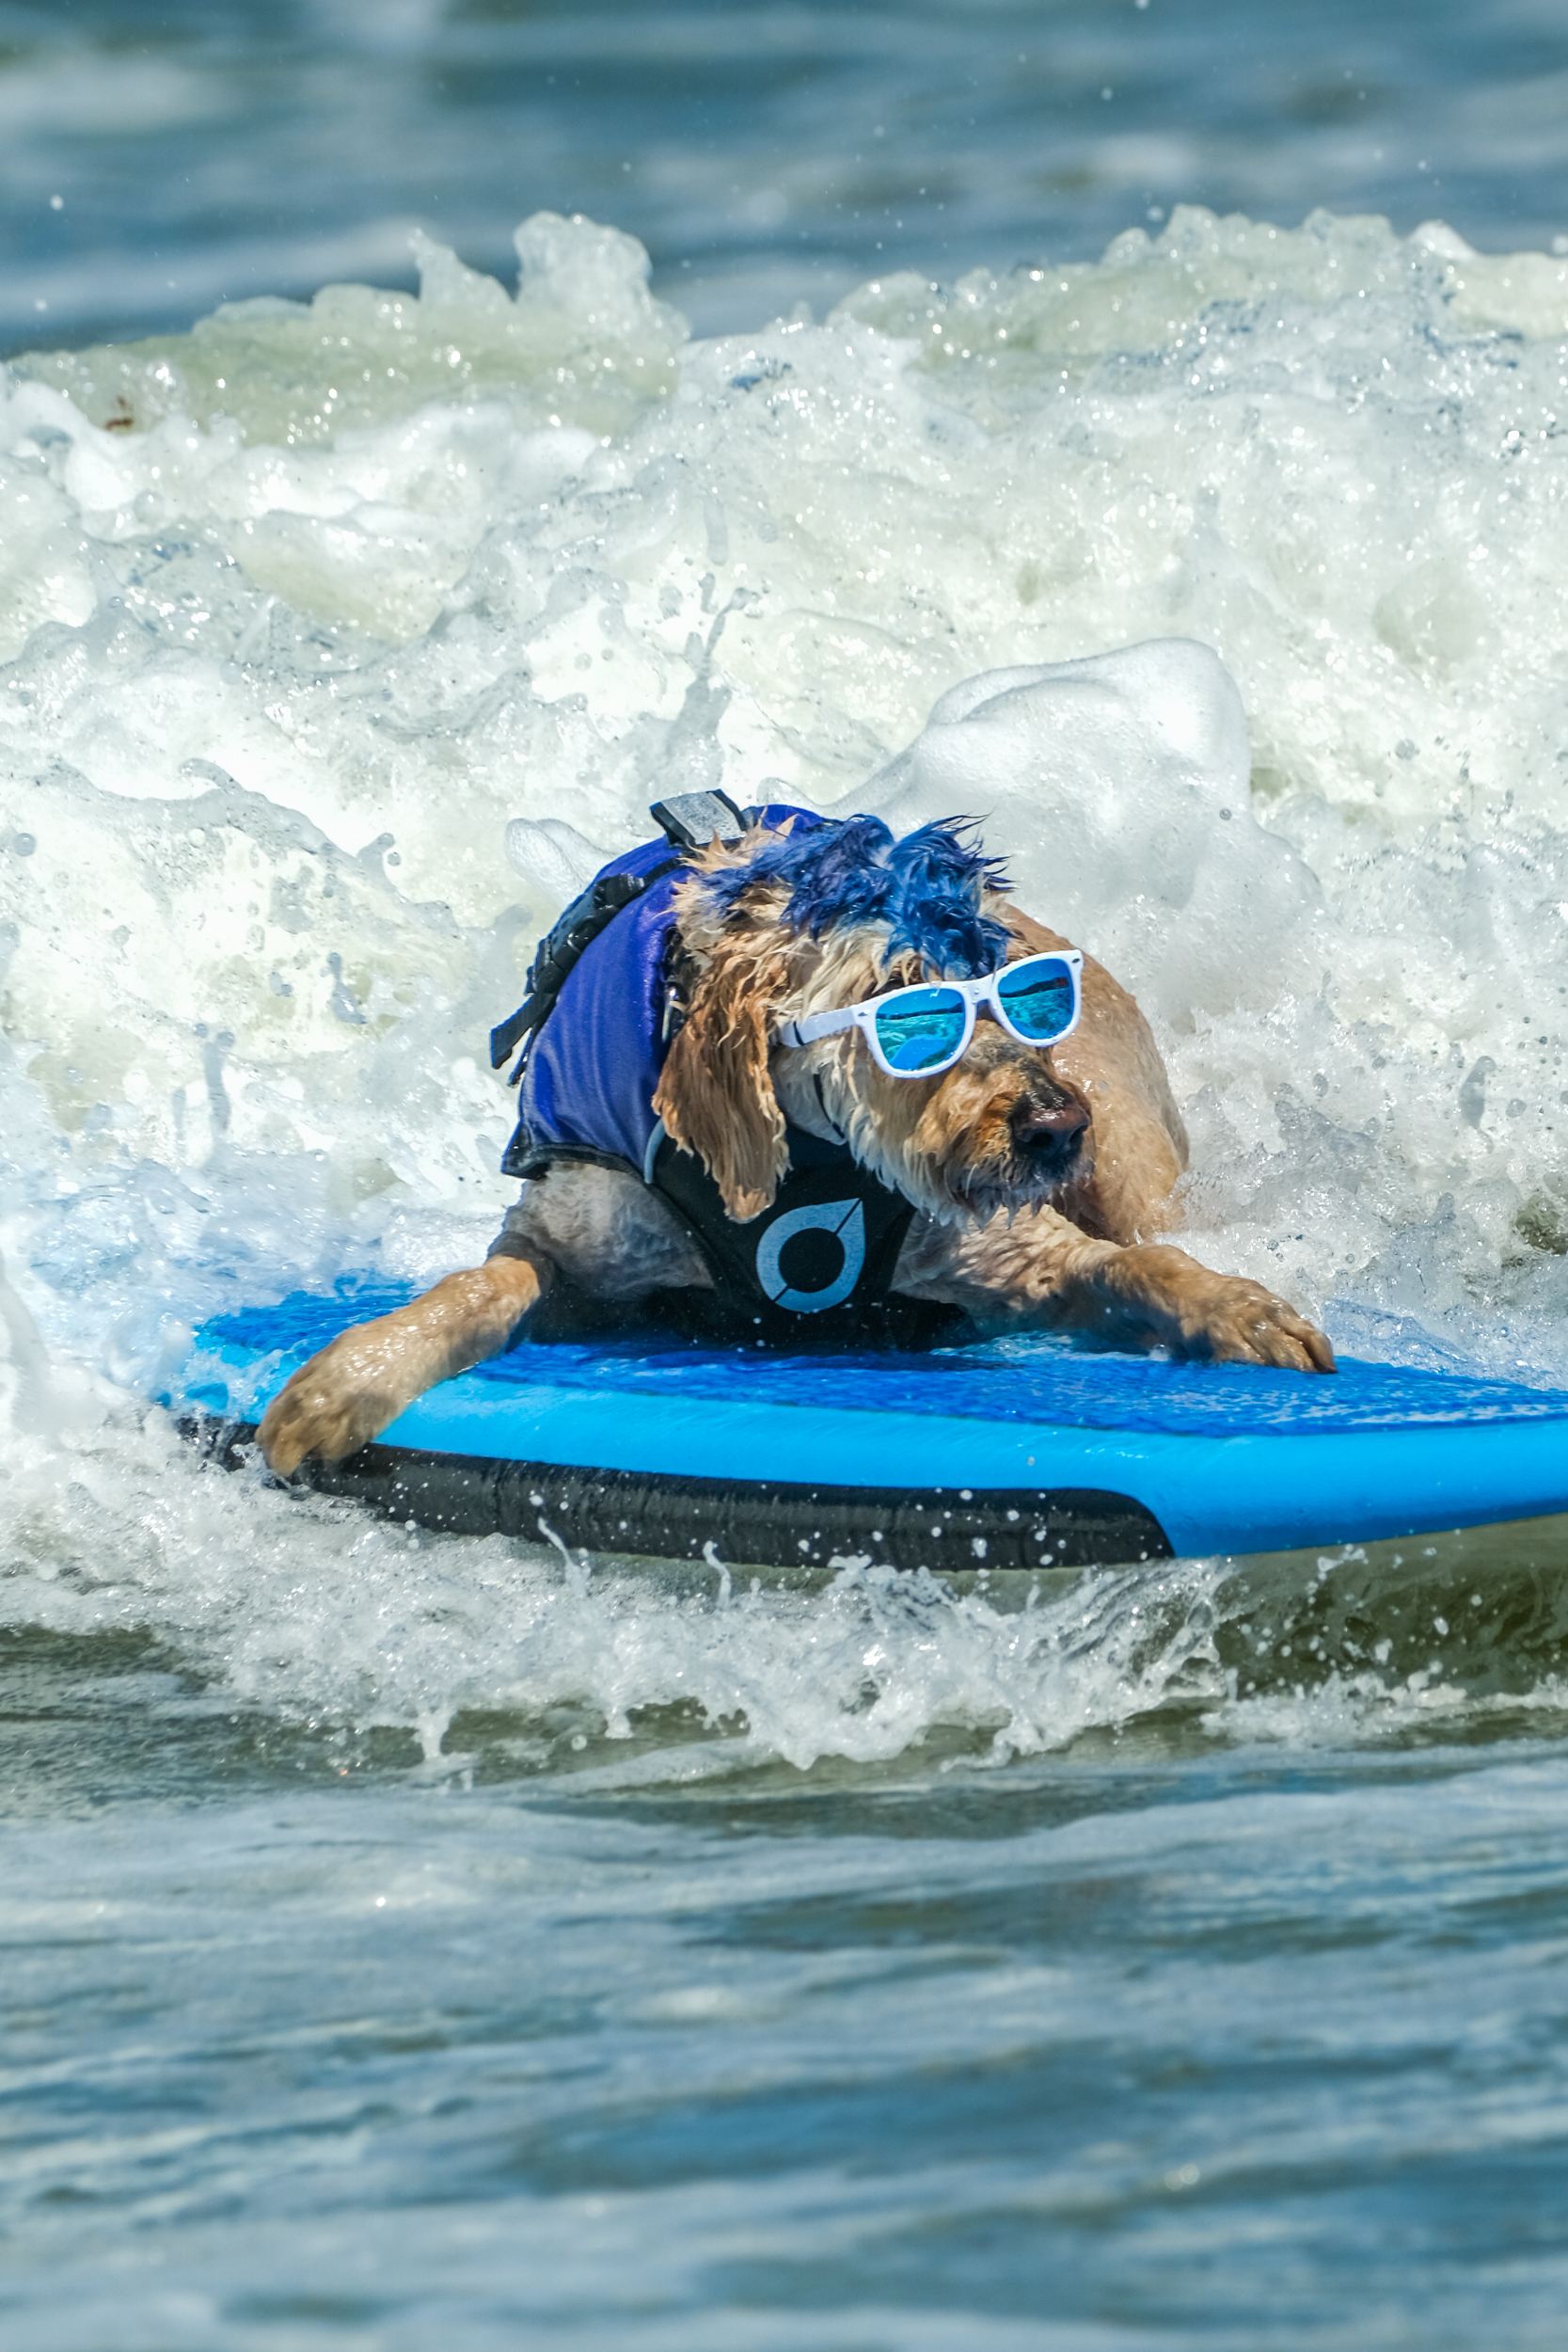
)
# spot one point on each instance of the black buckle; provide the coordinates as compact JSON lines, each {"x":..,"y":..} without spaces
{"x":691,"y":820}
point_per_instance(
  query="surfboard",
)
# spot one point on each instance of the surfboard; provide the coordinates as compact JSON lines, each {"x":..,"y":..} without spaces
{"x":1018,"y":1453}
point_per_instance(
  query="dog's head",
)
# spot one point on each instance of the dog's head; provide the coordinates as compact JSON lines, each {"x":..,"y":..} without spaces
{"x":782,"y":924}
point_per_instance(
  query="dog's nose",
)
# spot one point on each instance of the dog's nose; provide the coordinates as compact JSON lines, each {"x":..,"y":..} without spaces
{"x":1049,"y":1130}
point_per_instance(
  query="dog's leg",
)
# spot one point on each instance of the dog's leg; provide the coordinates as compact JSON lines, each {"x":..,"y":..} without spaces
{"x":348,"y":1393}
{"x":600,"y":1228}
{"x":1152,"y":1295}
{"x":1035,"y":1269}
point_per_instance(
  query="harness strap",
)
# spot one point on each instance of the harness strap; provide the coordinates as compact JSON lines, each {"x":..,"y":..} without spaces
{"x":576,"y":930}
{"x":688,"y":820}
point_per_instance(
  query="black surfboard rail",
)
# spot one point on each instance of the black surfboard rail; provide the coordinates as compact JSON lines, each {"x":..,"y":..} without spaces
{"x":747,"y":1522}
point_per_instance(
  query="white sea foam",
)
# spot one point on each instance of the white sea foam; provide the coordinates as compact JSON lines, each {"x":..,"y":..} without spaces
{"x":343,"y":640}
{"x":309,"y":1610}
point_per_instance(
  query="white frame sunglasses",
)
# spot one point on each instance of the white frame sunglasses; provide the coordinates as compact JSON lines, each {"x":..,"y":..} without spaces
{"x":921,"y":1009}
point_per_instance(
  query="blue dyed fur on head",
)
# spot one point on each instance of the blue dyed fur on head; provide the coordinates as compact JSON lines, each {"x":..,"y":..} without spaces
{"x":927,"y":889}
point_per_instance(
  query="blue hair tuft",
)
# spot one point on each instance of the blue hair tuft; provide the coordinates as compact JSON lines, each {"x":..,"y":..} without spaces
{"x":925,"y":888}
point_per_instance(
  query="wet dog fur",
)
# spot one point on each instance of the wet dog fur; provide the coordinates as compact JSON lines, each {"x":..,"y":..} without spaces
{"x":1042,"y":1181}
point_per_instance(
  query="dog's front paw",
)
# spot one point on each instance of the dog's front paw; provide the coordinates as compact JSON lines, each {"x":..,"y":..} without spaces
{"x":339,"y":1401}
{"x":346,"y":1395}
{"x":1242,"y":1322}
{"x":1224,"y":1317}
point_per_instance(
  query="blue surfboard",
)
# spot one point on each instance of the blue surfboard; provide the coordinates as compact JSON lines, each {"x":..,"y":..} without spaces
{"x":1020,"y":1453}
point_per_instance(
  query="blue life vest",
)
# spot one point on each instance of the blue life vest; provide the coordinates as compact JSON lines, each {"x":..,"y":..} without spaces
{"x":814,"y":1269}
{"x":592,"y":1070}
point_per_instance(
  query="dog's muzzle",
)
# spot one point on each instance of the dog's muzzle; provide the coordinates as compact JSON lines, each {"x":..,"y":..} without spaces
{"x":1048,"y":1137}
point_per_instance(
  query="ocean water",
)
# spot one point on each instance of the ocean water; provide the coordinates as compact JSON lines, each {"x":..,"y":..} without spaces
{"x":159,"y":156}
{"x":412,"y":1939}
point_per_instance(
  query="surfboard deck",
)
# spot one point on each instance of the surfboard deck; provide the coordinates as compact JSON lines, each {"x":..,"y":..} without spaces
{"x":1016,"y":1452}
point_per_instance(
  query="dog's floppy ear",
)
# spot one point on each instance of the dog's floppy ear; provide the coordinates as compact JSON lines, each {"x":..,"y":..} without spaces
{"x":716,"y":1097}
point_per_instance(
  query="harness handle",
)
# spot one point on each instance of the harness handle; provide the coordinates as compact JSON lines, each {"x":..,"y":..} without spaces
{"x":691,"y":820}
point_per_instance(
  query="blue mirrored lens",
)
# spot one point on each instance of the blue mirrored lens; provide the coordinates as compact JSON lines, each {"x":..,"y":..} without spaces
{"x":920,"y":1029}
{"x":1037,"y":997}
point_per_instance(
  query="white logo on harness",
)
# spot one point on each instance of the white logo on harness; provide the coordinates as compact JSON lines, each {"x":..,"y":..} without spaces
{"x":811,"y":1258}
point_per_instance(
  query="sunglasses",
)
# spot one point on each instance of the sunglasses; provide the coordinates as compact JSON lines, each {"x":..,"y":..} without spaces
{"x":917,"y":1032}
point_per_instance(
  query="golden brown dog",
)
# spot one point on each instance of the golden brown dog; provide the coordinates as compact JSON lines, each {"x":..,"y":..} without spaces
{"x":1040,"y":1180}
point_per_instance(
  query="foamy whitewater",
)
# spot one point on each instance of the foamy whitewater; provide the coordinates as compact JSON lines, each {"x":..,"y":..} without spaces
{"x":345,"y":641}
{"x":1225,"y":579}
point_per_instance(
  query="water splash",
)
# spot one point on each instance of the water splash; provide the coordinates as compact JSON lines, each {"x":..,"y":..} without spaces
{"x":345,"y":591}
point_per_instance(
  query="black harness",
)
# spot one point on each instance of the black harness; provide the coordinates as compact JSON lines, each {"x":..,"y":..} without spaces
{"x":814,"y":1270}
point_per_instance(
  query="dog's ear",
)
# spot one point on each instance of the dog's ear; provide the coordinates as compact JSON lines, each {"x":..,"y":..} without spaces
{"x":716,"y":1097}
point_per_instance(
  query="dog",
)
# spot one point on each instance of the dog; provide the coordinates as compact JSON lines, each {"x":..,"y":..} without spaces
{"x":1019,"y":1186}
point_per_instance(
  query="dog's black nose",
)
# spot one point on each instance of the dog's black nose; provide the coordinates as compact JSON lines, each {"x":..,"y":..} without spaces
{"x":1049,"y":1132}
